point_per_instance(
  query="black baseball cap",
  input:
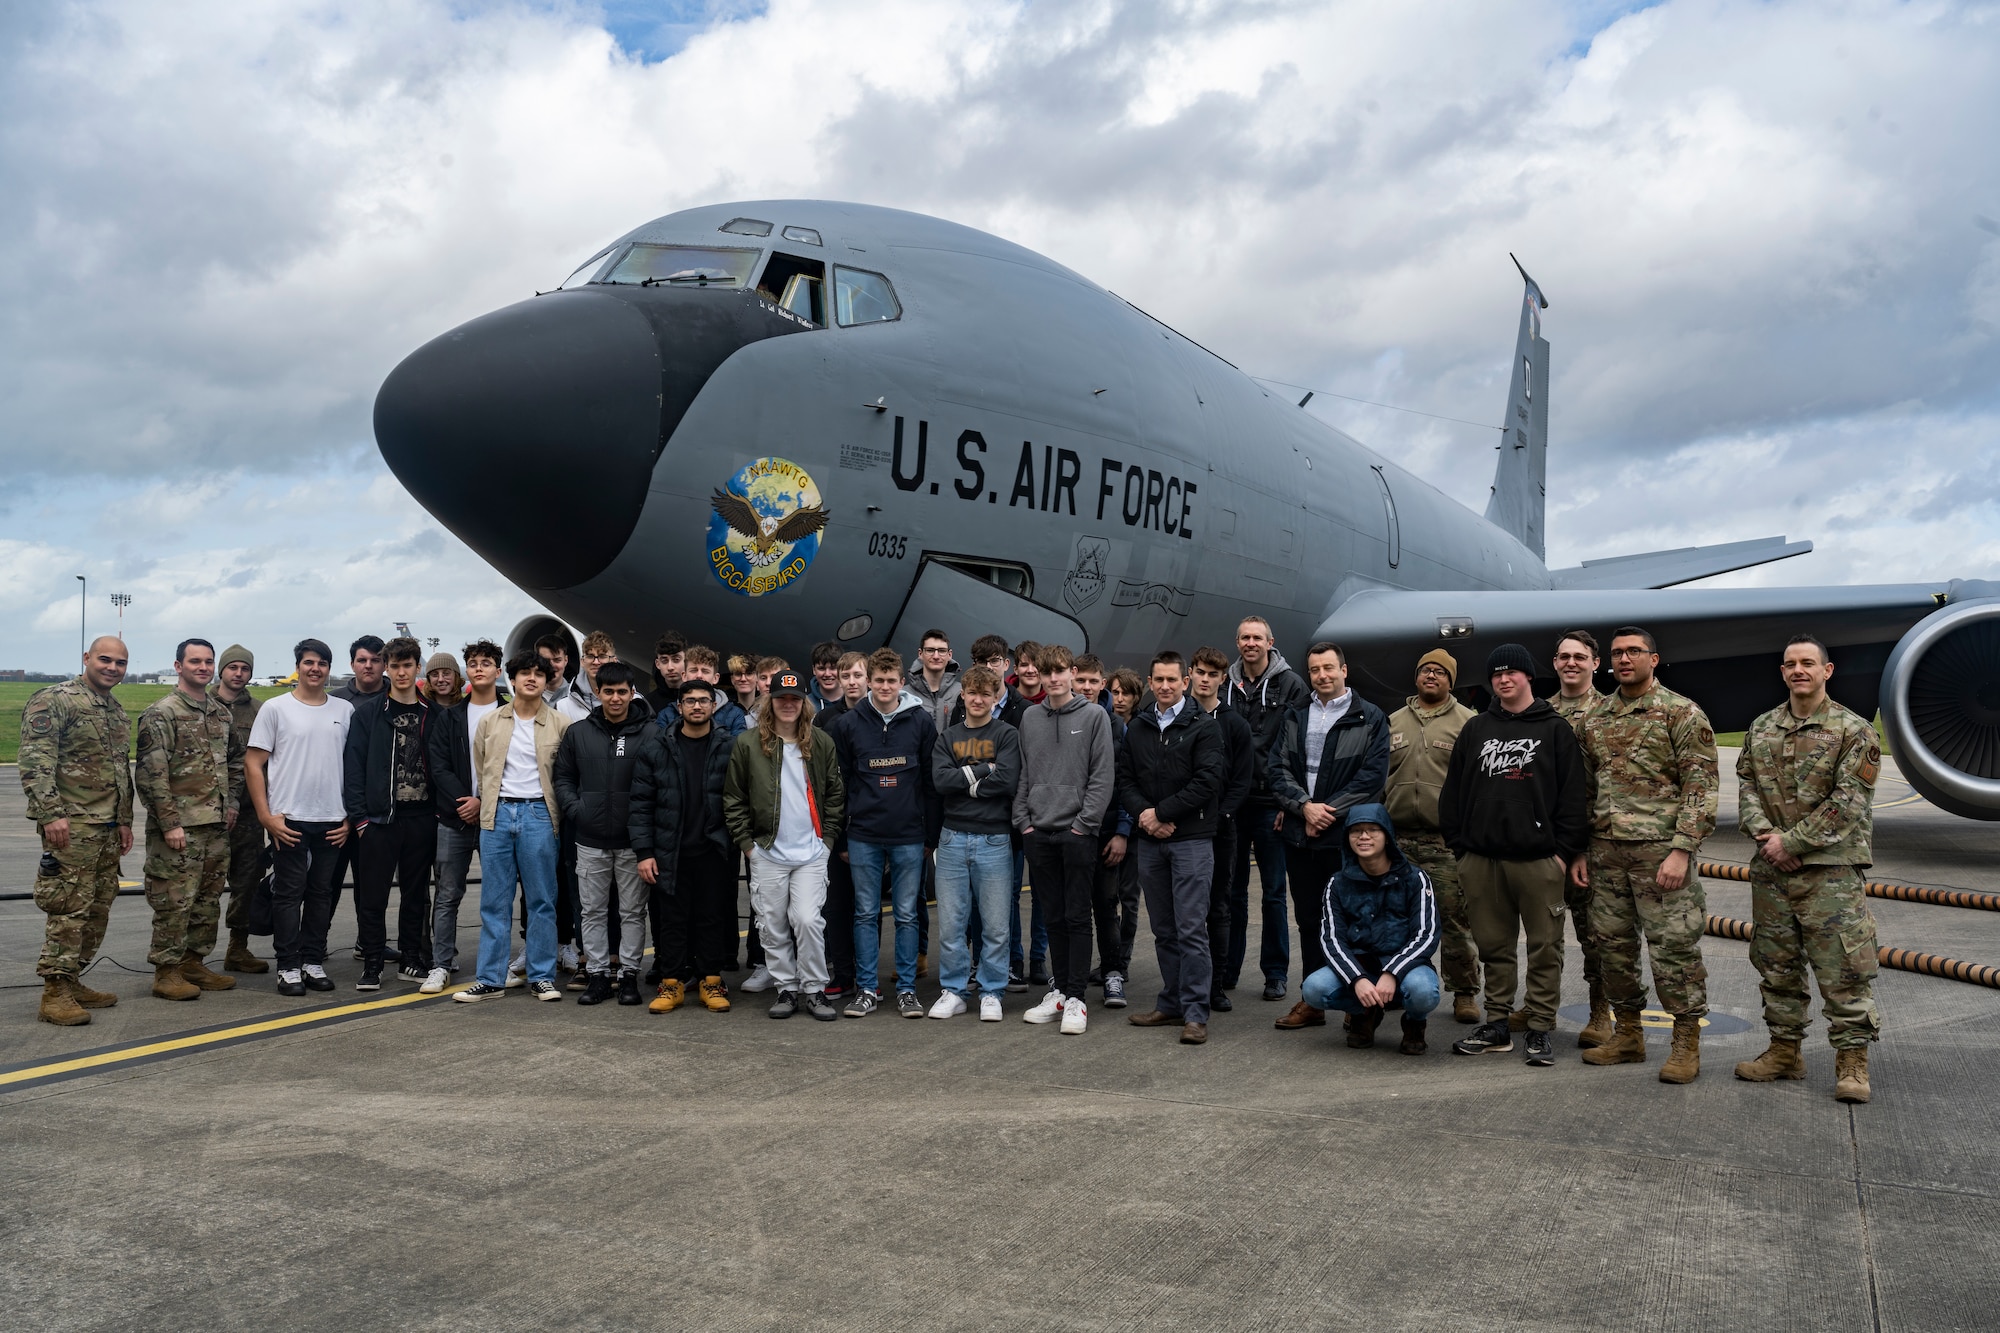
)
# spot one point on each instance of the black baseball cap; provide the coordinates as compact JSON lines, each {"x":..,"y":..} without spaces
{"x":788,"y":683}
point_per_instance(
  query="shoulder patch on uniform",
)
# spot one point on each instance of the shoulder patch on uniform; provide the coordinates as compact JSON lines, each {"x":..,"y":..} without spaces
{"x":40,"y":724}
{"x":1706,"y":736}
{"x":1872,"y":765}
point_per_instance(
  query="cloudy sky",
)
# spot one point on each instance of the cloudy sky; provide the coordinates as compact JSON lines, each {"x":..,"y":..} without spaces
{"x":1769,"y":234}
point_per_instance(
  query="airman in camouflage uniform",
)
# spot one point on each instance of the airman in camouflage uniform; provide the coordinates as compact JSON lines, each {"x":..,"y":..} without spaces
{"x":75,"y":740}
{"x":190,"y":769}
{"x":1806,"y":796}
{"x":1576,"y":709}
{"x":1651,"y":755}
{"x":246,"y":835}
{"x":1421,"y":736}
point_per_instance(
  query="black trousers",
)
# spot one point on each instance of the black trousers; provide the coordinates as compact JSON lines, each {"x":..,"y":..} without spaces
{"x":1221,"y":925}
{"x":302,"y":895}
{"x":402,"y":849}
{"x":696,"y":922}
{"x":1115,"y":903}
{"x":1063,"y":870}
{"x":837,"y":917}
{"x":1306,"y":874}
{"x":569,"y":906}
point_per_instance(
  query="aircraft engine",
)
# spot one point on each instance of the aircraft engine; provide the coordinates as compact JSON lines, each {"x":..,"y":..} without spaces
{"x":522,"y":638}
{"x":1941,"y":702}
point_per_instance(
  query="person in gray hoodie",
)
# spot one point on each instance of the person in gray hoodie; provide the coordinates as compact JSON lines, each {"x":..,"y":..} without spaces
{"x":975,"y":766}
{"x":1069,"y":769}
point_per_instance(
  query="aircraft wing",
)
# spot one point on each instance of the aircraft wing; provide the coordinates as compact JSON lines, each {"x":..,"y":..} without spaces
{"x":1661,"y":569}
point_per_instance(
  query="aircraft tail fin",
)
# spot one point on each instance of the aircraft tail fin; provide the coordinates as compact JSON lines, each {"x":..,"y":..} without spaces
{"x":1520,"y":482}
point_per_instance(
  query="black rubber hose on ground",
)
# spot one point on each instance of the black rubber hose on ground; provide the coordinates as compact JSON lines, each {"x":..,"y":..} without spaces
{"x":1908,"y":893}
{"x":1903,"y":960}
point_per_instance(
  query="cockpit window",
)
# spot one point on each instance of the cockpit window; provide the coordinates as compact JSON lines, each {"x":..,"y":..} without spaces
{"x":797,"y":284}
{"x":746,"y":227}
{"x":683,"y":266}
{"x":861,"y":297}
{"x":803,"y":235}
{"x":587,"y":271}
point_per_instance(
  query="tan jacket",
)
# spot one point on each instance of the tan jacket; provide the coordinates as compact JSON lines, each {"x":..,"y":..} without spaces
{"x":489,"y":757}
{"x":1420,"y":744}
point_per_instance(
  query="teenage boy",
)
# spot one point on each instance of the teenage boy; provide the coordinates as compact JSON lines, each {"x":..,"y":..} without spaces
{"x":684,"y":853}
{"x":825,"y":675}
{"x":1578,"y":700}
{"x":1069,"y":772}
{"x":1207,"y":675}
{"x":1422,"y":734}
{"x":455,"y":783}
{"x":851,"y":679}
{"x":669,"y":674}
{"x":885,"y":747}
{"x":1028,"y":670}
{"x":1515,"y":810}
{"x":554,"y":652}
{"x":1171,"y":775}
{"x":990,"y":651}
{"x":783,"y":802}
{"x":1264,"y":690}
{"x":704,"y":665}
{"x":387,"y":792}
{"x":598,"y":652}
{"x":246,"y":836}
{"x":975,"y":766}
{"x":1115,"y":893}
{"x":293,"y":769}
{"x":1332,"y":754}
{"x":594,"y":771}
{"x":364,"y":662}
{"x":1378,"y":929}
{"x":935,"y":682}
{"x":514,"y":753}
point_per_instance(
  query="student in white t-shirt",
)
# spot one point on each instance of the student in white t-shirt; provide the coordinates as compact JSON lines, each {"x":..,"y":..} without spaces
{"x":456,"y":784}
{"x":292,"y":767}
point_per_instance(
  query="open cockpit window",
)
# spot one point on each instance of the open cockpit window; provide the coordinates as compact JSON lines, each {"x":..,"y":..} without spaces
{"x":588,"y":270}
{"x":683,"y":266}
{"x":797,"y":284}
{"x":861,"y":297}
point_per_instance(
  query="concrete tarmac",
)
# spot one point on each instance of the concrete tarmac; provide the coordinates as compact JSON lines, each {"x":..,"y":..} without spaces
{"x":440,"y":1166}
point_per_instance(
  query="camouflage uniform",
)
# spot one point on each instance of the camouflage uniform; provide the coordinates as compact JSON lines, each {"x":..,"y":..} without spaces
{"x":1653,"y":763}
{"x":1577,"y":897}
{"x":1813,"y":779}
{"x":246,"y":840}
{"x":74,"y":743}
{"x":1420,"y":745}
{"x":190,"y":769}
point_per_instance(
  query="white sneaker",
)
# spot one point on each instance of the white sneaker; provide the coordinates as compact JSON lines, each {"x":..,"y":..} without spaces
{"x":758,"y":980}
{"x":566,"y":958}
{"x":1048,"y":1011}
{"x":989,"y":1009}
{"x":1075,"y":1017}
{"x":949,"y":1005}
{"x":517,"y":979}
{"x":435,"y":983}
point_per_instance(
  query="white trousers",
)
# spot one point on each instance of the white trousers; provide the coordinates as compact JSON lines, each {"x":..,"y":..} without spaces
{"x":788,"y":901}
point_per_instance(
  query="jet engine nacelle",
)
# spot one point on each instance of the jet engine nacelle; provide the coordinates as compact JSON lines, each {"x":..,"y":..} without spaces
{"x":1941,"y":702}
{"x":521,"y":639}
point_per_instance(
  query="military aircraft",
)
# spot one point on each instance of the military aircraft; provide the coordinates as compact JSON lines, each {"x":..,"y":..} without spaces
{"x":770,"y":423}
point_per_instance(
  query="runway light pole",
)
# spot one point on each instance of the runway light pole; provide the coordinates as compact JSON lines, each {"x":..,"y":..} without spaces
{"x":121,"y":600}
{"x":82,"y":615}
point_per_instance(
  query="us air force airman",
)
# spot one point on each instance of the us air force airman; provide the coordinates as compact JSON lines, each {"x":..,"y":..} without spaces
{"x":1651,"y":754}
{"x":1807,"y":774}
{"x":1578,"y":699}
{"x":75,"y":740}
{"x":190,"y":770}
{"x":246,"y":836}
{"x":1421,"y":736}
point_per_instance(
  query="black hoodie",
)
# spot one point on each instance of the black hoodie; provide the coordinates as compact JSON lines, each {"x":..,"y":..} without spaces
{"x":1516,"y":789}
{"x":593,"y":774}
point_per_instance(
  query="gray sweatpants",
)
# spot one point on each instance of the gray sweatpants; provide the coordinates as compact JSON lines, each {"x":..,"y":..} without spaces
{"x":596,"y":870}
{"x":1175,"y":878}
{"x":454,"y":860}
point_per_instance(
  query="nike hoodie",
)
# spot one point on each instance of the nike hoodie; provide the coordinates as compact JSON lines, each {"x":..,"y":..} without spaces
{"x":1069,"y":767}
{"x":1516,"y":788}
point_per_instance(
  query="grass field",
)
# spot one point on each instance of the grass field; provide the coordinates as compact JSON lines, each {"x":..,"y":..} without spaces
{"x":14,"y":696}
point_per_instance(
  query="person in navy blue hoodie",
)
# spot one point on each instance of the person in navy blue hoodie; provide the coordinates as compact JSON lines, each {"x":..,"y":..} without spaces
{"x":1379,"y":930}
{"x":893,"y":817}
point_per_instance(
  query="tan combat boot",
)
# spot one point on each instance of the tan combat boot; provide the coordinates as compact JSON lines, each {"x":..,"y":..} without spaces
{"x":59,"y":1006}
{"x":1601,"y":1025}
{"x":239,"y":958}
{"x":169,"y":984}
{"x":1465,"y":1008}
{"x":714,"y":995}
{"x":196,"y":970}
{"x":1684,"y":1061}
{"x":669,"y":999}
{"x":1850,"y":1075}
{"x":1779,"y":1060}
{"x":1627,"y":1045}
{"x":88,"y":998}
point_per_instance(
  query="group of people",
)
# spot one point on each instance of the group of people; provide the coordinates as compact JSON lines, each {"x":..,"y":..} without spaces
{"x":1413,"y":850}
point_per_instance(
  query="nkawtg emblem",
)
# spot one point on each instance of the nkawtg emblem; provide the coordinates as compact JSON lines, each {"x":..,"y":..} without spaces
{"x":765,"y":531}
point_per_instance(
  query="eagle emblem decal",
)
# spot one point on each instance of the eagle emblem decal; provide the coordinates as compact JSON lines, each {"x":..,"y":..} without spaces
{"x":765,"y":528}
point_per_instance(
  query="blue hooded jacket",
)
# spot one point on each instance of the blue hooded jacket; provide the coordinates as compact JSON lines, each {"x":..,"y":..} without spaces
{"x":1371,"y":925}
{"x":885,"y":765}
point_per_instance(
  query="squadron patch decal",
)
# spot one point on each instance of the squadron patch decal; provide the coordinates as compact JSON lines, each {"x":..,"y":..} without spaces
{"x":766,"y":526}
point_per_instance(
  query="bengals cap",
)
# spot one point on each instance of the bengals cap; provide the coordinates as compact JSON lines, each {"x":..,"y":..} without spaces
{"x":788,"y":683}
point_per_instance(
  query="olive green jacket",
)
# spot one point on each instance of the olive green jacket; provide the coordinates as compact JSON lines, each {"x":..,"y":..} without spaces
{"x":750,"y":790}
{"x":1420,"y":745}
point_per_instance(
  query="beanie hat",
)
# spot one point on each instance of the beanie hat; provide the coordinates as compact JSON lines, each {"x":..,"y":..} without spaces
{"x":235,"y":652}
{"x":1441,"y":658}
{"x":442,"y":662}
{"x":1511,"y":657}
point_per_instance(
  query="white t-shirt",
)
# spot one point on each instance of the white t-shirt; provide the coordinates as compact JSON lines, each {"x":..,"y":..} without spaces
{"x":796,"y":843}
{"x":474,"y":715}
{"x":521,"y":777}
{"x":306,"y":744}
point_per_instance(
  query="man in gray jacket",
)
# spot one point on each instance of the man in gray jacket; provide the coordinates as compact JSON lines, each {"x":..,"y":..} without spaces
{"x":1068,"y":771}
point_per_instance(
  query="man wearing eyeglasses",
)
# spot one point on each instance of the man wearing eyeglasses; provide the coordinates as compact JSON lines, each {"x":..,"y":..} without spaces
{"x":934,"y":681}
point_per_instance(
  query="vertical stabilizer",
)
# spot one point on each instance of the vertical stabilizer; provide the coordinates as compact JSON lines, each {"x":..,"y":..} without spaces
{"x":1520,"y":487}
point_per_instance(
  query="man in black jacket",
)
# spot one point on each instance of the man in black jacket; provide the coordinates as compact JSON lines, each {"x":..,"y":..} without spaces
{"x":1515,"y":810}
{"x":1239,"y":750}
{"x":1263,"y":689}
{"x":1171,"y":775}
{"x":685,"y":854}
{"x":387,"y":792}
{"x":593,"y":778}
{"x":455,"y":789}
{"x":1331,"y":755}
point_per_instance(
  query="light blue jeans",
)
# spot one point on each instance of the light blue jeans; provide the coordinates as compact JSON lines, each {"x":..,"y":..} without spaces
{"x":973,"y":868}
{"x":521,"y":843}
{"x":906,"y":877}
{"x":1416,"y":993}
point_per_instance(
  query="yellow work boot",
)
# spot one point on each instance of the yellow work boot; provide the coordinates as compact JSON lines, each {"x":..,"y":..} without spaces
{"x":1779,"y":1060}
{"x":1465,"y":1008}
{"x":59,"y":1006}
{"x":714,"y":995}
{"x":1850,"y":1075}
{"x":1626,"y":1047}
{"x":669,"y":999}
{"x":239,"y":958}
{"x":88,"y":998}
{"x":196,"y":970}
{"x":169,"y":984}
{"x":1601,"y":1025}
{"x":1684,"y":1061}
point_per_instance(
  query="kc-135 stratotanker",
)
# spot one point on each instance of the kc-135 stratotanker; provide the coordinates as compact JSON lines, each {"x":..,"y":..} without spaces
{"x":769,"y":423}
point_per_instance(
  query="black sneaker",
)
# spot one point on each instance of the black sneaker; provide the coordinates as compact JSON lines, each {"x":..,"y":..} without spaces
{"x":412,"y":972}
{"x":907,"y":1006}
{"x":371,"y":979}
{"x":1539,"y":1051}
{"x":786,"y":1004}
{"x":1016,"y":983}
{"x":628,"y":987}
{"x":391,"y":954}
{"x":545,"y":991}
{"x":1486,"y":1039}
{"x":1038,"y":971}
{"x":596,"y":989}
{"x":478,"y":991}
{"x":1274,"y":989}
{"x":291,"y":982}
{"x":1220,"y":1002}
{"x":654,"y":976}
{"x":317,"y":979}
{"x":820,"y":1007}
{"x":578,"y":980}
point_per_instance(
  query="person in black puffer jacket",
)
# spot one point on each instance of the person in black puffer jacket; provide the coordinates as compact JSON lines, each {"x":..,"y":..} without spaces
{"x":1379,"y":931}
{"x":593,"y":778}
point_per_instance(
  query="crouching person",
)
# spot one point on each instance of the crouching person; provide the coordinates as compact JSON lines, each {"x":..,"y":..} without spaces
{"x":1379,"y":927}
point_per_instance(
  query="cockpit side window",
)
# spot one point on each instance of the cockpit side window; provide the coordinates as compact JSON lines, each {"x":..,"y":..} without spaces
{"x":588,"y":270}
{"x":797,"y":284}
{"x":861,"y":297}
{"x":683,"y":266}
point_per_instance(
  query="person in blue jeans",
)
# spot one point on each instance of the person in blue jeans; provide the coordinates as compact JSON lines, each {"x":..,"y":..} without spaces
{"x":885,"y":743}
{"x":514,"y":754}
{"x":1379,"y":927}
{"x":975,"y":767}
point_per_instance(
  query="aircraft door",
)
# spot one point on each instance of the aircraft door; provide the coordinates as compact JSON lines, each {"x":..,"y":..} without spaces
{"x":965,"y":606}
